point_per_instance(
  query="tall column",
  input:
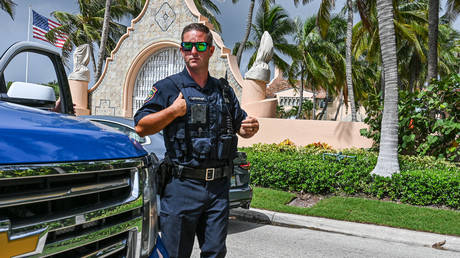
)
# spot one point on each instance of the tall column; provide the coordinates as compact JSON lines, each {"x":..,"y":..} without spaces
{"x":79,"y":80}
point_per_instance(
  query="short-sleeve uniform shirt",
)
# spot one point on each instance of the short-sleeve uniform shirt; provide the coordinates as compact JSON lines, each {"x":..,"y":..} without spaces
{"x":165,"y":92}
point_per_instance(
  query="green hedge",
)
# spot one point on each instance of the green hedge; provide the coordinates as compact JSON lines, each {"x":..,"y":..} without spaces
{"x":422,"y":180}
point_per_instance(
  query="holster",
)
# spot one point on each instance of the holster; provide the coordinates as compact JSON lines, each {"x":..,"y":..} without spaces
{"x":164,"y":174}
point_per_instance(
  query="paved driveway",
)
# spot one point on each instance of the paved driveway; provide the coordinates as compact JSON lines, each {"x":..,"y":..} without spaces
{"x":248,"y":239}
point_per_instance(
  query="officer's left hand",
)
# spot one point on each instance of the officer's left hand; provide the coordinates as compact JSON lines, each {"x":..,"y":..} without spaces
{"x":249,"y":127}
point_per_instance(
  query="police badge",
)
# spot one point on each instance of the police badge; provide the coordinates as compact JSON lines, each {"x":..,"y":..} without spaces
{"x":151,"y":94}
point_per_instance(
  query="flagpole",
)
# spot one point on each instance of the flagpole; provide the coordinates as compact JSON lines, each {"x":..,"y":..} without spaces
{"x":28,"y":39}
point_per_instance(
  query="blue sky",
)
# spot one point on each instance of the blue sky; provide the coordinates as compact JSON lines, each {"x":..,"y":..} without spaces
{"x":233,"y":19}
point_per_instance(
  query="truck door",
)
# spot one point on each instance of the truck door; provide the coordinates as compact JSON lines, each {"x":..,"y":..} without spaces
{"x":32,"y":74}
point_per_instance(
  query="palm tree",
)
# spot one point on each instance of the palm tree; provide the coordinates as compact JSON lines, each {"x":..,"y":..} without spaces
{"x":411,"y":28}
{"x":86,"y":27}
{"x":410,"y":20}
{"x":348,"y":63}
{"x":335,"y":57}
{"x":387,"y":162}
{"x":105,"y":34}
{"x":433,"y":20}
{"x":318,"y":62}
{"x":449,"y":52}
{"x":120,"y":8}
{"x":452,"y":11}
{"x":276,"y":22}
{"x":411,"y":34}
{"x":264,"y":4}
{"x":323,"y":21}
{"x":248,"y":31}
{"x":8,"y":6}
{"x":296,"y":69}
{"x":207,"y":8}
{"x":130,"y":7}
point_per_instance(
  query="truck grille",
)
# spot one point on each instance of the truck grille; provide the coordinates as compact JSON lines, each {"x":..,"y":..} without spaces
{"x":77,"y":207}
{"x":116,"y":246}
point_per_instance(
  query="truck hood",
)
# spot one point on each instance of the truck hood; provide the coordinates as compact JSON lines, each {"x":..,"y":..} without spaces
{"x":29,"y":135}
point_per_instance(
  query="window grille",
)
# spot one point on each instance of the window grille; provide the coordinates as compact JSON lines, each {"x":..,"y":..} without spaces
{"x":161,"y":64}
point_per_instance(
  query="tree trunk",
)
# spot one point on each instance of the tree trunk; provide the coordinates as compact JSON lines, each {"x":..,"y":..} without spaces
{"x":387,"y":162}
{"x":340,"y":105}
{"x":104,"y":36}
{"x":314,"y":105}
{"x":414,"y":73}
{"x":299,"y":111}
{"x":382,"y":83}
{"x":433,"y":20}
{"x":248,"y":31}
{"x":91,"y":52}
{"x":324,"y":111}
{"x":351,"y":96}
{"x":411,"y":76}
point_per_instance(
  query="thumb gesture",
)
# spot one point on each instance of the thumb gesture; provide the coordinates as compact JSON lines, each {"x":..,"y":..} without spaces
{"x":179,"y":105}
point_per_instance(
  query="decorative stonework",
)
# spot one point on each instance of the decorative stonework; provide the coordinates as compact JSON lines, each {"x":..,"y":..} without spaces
{"x":104,"y":108}
{"x":165,"y":16}
{"x":232,"y":81}
{"x":158,"y":26}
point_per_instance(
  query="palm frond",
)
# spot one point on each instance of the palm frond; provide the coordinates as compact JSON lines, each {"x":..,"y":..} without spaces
{"x":8,"y":6}
{"x":452,"y":11}
{"x":406,"y":32}
{"x":207,"y":8}
{"x":324,"y":16}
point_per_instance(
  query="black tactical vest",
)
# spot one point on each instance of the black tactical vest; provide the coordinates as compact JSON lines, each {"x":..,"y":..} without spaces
{"x":205,"y":132}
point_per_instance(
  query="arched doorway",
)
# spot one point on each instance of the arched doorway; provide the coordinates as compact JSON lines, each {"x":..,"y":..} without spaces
{"x":166,"y":61}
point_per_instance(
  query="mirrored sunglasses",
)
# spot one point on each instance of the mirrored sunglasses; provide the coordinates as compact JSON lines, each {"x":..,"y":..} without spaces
{"x":200,"y":46}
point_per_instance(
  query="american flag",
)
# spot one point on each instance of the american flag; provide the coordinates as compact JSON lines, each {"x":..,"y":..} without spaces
{"x":41,"y":25}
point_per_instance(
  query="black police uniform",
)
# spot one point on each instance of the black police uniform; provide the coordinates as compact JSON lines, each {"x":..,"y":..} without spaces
{"x":202,"y":149}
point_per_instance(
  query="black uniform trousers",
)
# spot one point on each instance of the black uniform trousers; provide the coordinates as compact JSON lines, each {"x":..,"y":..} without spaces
{"x":190,"y":207}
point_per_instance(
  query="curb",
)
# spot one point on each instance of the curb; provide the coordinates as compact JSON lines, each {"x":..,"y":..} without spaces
{"x":410,"y":237}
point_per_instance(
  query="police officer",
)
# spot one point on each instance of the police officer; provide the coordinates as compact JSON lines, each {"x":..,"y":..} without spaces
{"x":200,"y":116}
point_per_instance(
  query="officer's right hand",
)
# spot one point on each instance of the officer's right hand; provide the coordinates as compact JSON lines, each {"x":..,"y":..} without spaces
{"x":179,"y":105}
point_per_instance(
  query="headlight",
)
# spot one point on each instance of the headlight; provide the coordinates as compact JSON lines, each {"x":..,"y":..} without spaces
{"x":150,"y":216}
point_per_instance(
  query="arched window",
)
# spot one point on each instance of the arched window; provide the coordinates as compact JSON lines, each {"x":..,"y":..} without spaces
{"x":161,"y":64}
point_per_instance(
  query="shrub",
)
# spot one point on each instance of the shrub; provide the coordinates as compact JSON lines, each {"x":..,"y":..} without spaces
{"x":428,"y":120}
{"x":319,"y":145}
{"x":422,"y":181}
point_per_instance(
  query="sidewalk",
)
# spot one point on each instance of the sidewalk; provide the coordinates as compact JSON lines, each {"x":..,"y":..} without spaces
{"x":409,"y":237}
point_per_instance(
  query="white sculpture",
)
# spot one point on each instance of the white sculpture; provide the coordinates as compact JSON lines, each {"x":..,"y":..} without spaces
{"x":80,"y":62}
{"x":253,"y":98}
{"x":260,"y":70}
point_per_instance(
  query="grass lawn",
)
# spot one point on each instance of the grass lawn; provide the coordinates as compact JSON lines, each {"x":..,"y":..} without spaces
{"x":364,"y":211}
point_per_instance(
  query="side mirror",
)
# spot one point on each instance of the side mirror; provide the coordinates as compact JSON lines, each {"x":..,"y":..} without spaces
{"x":32,"y":94}
{"x":25,"y":90}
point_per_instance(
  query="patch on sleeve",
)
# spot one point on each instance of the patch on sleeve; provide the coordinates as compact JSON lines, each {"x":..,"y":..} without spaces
{"x":152,"y":93}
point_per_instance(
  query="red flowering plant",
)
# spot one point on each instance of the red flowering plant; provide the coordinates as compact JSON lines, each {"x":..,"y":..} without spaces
{"x":411,"y":124}
{"x":429,"y":120}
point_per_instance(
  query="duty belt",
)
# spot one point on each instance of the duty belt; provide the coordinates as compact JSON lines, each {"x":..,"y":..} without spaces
{"x":207,"y":174}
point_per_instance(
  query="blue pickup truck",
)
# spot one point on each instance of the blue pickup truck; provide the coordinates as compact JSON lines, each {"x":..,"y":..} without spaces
{"x":67,"y":186}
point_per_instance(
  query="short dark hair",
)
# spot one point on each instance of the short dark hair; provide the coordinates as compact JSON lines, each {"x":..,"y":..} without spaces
{"x":198,"y":27}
